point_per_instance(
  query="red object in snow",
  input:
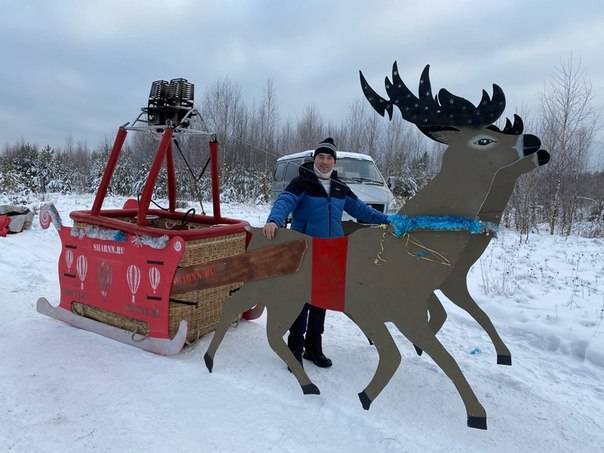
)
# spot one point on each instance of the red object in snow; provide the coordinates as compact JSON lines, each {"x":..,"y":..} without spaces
{"x":4,"y":222}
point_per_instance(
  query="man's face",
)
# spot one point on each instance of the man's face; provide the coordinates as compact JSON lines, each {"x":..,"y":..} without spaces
{"x":325,"y":162}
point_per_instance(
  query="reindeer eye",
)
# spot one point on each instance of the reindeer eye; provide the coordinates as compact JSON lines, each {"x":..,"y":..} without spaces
{"x":484,"y":141}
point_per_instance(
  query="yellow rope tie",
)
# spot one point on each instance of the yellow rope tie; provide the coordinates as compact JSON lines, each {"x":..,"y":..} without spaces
{"x":443,"y":260}
{"x":406,"y":238}
{"x":379,"y":259}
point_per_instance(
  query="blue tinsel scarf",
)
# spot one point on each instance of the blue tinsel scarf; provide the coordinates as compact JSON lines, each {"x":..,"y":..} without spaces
{"x":402,"y":224}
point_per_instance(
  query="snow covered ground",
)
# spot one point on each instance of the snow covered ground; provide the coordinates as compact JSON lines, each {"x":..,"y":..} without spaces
{"x":67,"y":390}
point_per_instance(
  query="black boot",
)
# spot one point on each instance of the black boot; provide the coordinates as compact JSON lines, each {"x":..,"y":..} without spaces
{"x":313,"y":351}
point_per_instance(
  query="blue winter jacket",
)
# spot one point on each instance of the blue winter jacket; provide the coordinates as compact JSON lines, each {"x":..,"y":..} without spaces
{"x":316,"y":213}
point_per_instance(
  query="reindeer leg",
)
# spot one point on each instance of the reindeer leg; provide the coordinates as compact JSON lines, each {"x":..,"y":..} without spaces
{"x":461,"y":297}
{"x":438,"y":315}
{"x":368,"y":339}
{"x":276,"y":326}
{"x":389,"y":358}
{"x":233,"y":306}
{"x":425,"y":338}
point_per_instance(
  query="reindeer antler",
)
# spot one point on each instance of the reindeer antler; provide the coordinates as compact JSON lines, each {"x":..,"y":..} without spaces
{"x":380,"y":104}
{"x":513,"y":129}
{"x":434,"y":113}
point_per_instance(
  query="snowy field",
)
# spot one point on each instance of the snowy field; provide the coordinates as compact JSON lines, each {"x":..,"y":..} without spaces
{"x":68,"y":390}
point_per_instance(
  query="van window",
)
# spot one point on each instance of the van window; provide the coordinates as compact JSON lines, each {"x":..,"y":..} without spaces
{"x":357,"y":170}
{"x":279,"y":171}
{"x":292,"y":169}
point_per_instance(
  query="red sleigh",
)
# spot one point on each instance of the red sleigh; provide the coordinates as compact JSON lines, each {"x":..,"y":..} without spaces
{"x":117,"y":266}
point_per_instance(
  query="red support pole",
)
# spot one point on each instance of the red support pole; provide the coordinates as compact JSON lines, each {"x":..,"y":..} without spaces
{"x":171,"y":179}
{"x":215,"y":179}
{"x":109,"y":169}
{"x":143,"y":206}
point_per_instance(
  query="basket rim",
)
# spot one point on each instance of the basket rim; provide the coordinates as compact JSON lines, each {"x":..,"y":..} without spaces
{"x":217,"y":227}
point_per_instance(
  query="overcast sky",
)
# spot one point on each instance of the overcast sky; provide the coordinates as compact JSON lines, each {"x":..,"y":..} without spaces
{"x":80,"y":68}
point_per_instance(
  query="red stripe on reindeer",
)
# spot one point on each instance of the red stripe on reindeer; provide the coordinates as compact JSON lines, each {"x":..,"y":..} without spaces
{"x":329,"y":272}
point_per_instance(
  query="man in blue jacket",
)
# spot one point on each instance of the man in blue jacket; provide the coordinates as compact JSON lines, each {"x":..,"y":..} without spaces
{"x":316,"y":199}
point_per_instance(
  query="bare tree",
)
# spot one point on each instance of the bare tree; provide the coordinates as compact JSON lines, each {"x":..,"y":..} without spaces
{"x":264,"y":123}
{"x":222,"y":110}
{"x":568,"y":126}
{"x":310,"y":129}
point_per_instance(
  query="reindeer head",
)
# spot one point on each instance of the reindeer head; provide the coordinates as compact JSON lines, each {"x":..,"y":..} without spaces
{"x":468,"y":130}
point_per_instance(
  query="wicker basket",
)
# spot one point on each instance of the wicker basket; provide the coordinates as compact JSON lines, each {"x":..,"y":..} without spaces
{"x":201,"y":309}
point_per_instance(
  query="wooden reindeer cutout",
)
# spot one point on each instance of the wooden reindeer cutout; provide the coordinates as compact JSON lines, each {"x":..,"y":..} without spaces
{"x":399,"y":287}
{"x":455,"y":286}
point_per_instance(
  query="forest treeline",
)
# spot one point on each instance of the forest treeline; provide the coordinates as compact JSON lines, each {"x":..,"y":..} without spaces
{"x":564,"y":195}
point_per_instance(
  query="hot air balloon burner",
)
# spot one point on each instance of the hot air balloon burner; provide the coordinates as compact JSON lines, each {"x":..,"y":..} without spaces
{"x":170,"y":103}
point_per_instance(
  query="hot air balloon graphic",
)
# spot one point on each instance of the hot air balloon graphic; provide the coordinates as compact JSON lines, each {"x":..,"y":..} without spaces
{"x":104,"y":277}
{"x":81,"y":268}
{"x":69,"y":259}
{"x":154,"y":278}
{"x":133,"y":275}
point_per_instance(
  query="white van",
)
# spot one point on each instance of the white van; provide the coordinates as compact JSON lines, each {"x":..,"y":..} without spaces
{"x":357,"y":170}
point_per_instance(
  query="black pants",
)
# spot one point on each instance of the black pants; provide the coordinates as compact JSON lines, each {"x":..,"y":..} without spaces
{"x":310,"y":321}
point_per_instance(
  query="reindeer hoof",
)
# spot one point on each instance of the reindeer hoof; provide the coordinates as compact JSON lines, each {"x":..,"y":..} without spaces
{"x":504,"y":359}
{"x":477,"y":422}
{"x":365,"y":401}
{"x":418,"y":350}
{"x":311,"y":389}
{"x":209,"y":362}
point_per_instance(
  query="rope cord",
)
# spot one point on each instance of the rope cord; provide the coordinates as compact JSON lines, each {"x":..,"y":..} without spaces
{"x":195,"y":179}
{"x":138,"y":201}
{"x":406,"y":239}
{"x":137,"y":330}
{"x":401,"y":227}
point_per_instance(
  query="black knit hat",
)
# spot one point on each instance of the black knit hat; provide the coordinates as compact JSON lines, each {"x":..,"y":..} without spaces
{"x":327,"y":146}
